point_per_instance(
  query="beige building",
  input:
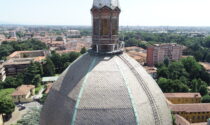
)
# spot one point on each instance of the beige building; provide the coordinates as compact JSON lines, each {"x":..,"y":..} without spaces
{"x":23,"y":93}
{"x":183,"y":98}
{"x":1,"y":120}
{"x":193,"y":113}
{"x":159,"y":52}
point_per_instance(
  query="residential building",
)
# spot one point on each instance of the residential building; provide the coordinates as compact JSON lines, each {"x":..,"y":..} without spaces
{"x":18,"y":61}
{"x":23,"y":93}
{"x":2,"y":72}
{"x":193,"y":113}
{"x":157,"y":53}
{"x":183,"y":98}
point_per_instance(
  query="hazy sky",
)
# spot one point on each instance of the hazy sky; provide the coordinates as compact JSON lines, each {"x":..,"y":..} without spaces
{"x":134,"y":12}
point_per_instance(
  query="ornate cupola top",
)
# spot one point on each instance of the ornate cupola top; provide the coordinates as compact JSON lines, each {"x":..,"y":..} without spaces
{"x":105,"y":38}
{"x":113,"y":4}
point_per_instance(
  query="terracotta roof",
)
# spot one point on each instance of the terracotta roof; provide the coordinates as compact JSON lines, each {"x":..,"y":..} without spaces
{"x":196,"y":107}
{"x":49,"y":86}
{"x":150,"y":69}
{"x":181,"y":120}
{"x":23,"y":90}
{"x":205,"y":65}
{"x":16,"y":53}
{"x":182,"y":95}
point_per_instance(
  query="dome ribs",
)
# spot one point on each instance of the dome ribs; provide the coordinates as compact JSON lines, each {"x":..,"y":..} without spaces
{"x":131,"y":97}
{"x":81,"y":92}
{"x":154,"y":106}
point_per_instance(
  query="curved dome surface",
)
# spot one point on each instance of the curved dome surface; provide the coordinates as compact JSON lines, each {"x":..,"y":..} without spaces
{"x":108,"y":3}
{"x":105,"y":90}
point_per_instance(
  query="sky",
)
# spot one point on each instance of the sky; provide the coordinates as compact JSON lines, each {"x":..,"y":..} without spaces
{"x":134,"y":12}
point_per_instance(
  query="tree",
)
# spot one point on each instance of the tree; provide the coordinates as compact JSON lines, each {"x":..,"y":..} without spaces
{"x":7,"y":105}
{"x":31,"y":76}
{"x":168,"y":85}
{"x":59,"y":38}
{"x":176,"y":70}
{"x":83,"y":50}
{"x":49,"y":67}
{"x":166,"y":61}
{"x":203,"y":90}
{"x":57,"y":61}
{"x":205,"y":99}
{"x":11,"y":82}
{"x":163,"y":72}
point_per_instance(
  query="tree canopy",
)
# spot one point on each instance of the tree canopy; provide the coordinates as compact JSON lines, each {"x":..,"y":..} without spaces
{"x":186,"y":75}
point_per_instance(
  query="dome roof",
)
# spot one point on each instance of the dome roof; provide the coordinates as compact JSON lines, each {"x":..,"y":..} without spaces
{"x":105,"y":90}
{"x":108,"y":3}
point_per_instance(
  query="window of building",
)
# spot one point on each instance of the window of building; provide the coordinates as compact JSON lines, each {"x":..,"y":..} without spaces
{"x":105,"y":26}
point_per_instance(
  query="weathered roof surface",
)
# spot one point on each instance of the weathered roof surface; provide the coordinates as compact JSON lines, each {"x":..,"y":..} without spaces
{"x":182,"y":95}
{"x":23,"y":90}
{"x":108,"y":3}
{"x":105,"y":90}
{"x":196,"y":107}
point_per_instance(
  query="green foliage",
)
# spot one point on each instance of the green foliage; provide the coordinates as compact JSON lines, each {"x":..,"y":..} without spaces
{"x":7,"y":48}
{"x":205,"y":99}
{"x":7,"y":105}
{"x":168,"y":85}
{"x":37,"y":89}
{"x":6,"y":92}
{"x":11,"y":82}
{"x":42,"y":100}
{"x":61,"y":62}
{"x":83,"y":50}
{"x":203,"y":90}
{"x":183,"y":76}
{"x":49,"y":67}
{"x":32,"y":74}
{"x":30,"y":118}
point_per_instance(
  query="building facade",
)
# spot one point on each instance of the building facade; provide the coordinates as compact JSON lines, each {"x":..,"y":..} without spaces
{"x":18,"y":61}
{"x":194,"y":113}
{"x":183,"y":98}
{"x":23,"y":93}
{"x":159,"y":52}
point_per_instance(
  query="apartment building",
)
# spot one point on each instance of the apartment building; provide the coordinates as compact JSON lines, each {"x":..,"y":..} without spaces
{"x":18,"y":61}
{"x":157,"y":53}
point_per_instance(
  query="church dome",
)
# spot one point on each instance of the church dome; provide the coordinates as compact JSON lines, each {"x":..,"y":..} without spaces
{"x":105,"y":90}
{"x":108,"y":3}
